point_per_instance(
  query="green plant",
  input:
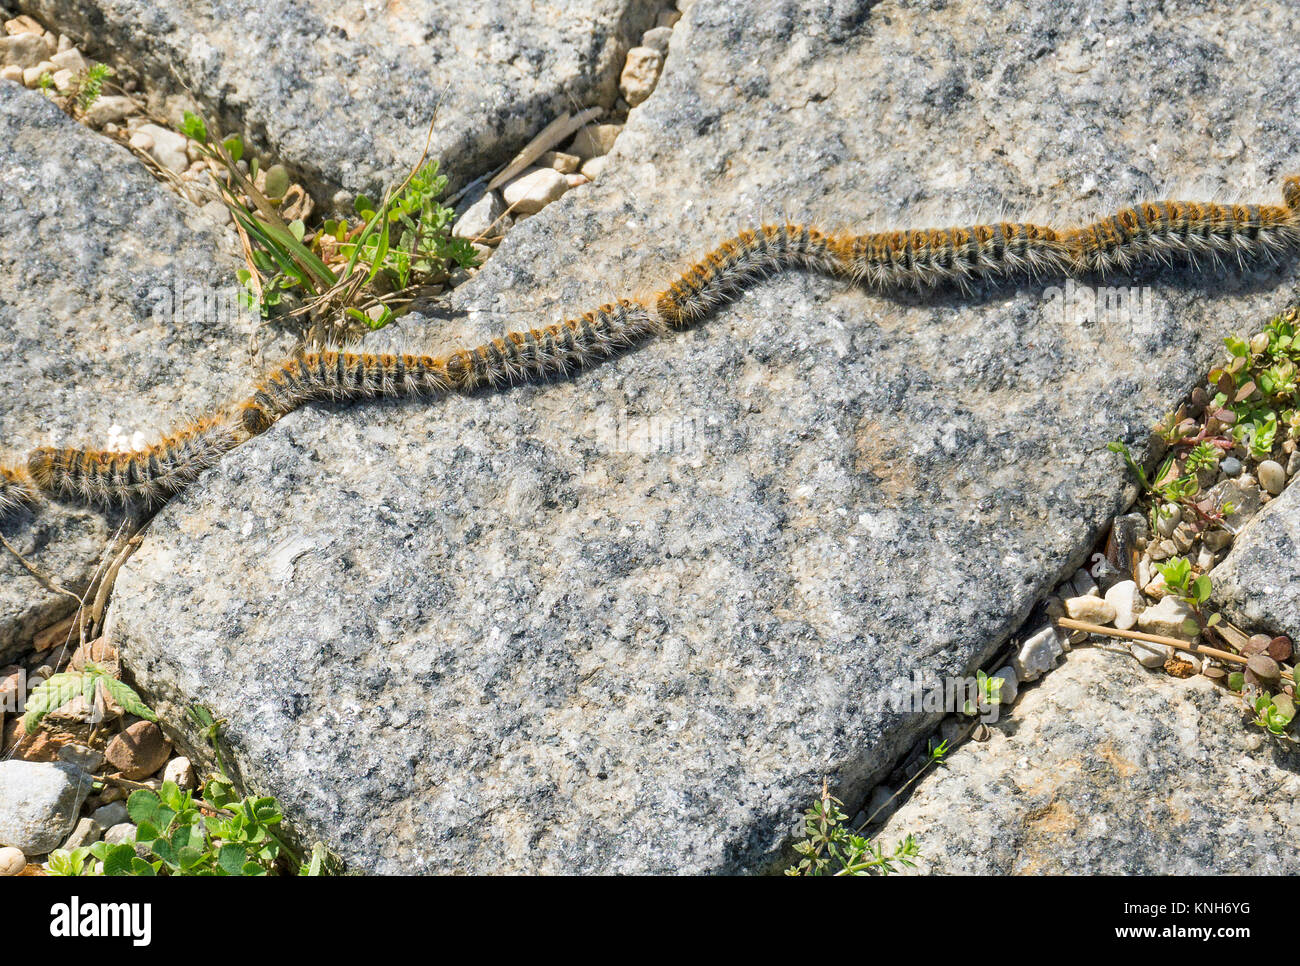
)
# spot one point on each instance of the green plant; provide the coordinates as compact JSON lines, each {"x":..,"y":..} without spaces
{"x":830,"y":847}
{"x":348,"y":272}
{"x":989,"y":695}
{"x":61,"y":688}
{"x":1193,"y":590}
{"x":1269,"y":717}
{"x":91,"y":85}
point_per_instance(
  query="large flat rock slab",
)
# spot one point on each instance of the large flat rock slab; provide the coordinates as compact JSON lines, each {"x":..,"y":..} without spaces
{"x":343,"y":93}
{"x":629,"y":621}
{"x":1258,"y":583}
{"x":96,"y":258}
{"x":1109,"y":769}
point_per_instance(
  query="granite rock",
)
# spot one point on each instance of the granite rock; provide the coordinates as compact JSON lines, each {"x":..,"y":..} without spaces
{"x":629,"y":621}
{"x":93,"y":252}
{"x":39,"y":803}
{"x":1258,"y":584}
{"x":1107,"y":769}
{"x":343,"y":93}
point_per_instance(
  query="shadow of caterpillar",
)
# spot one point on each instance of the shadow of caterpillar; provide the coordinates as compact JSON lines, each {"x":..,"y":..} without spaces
{"x":921,"y":260}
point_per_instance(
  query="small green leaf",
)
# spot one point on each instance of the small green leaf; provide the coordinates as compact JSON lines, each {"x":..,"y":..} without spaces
{"x":142,"y":806}
{"x":277,"y":181}
{"x":234,"y":146}
{"x":1190,"y":626}
{"x":193,"y":127}
{"x":232,"y":858}
{"x":50,"y":695}
{"x":124,"y":695}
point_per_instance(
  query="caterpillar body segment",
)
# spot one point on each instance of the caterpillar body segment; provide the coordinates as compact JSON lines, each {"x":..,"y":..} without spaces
{"x":739,"y":261}
{"x":149,"y":476}
{"x":17,"y":488}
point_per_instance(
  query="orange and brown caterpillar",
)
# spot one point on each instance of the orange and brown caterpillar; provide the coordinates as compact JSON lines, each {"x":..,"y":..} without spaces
{"x":1160,"y":231}
{"x":147,"y":476}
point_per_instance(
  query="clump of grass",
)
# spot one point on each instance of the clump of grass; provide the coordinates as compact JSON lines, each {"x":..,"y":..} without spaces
{"x":351,"y":273}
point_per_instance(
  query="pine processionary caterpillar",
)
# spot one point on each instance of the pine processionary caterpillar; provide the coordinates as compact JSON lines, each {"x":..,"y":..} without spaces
{"x":148,"y":476}
{"x":1159,"y":231}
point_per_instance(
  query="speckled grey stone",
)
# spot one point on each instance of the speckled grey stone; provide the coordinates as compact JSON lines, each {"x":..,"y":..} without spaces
{"x":39,"y":803}
{"x":630,"y":621}
{"x":1258,"y":584}
{"x":89,"y":242}
{"x":343,"y":92}
{"x":1107,"y":769}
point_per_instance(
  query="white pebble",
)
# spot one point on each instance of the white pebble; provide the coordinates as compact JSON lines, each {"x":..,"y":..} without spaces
{"x":169,"y":147}
{"x":120,"y":833}
{"x":1272,"y":476}
{"x":1094,"y":610}
{"x":1038,"y":654}
{"x":1168,"y":518}
{"x":12,"y":860}
{"x":1123,"y":597}
{"x":1010,"y":684}
{"x":1148,"y":654}
{"x":534,"y":190}
{"x":1166,"y":618}
{"x":592,"y":167}
{"x":12,"y":73}
{"x":70,"y":59}
{"x":180,"y":771}
{"x":640,"y":74}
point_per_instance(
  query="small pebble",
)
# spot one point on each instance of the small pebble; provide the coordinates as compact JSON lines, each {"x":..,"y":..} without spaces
{"x":1010,"y":685}
{"x":106,"y":816}
{"x":1230,"y":465}
{"x":1168,"y":518}
{"x":118,"y":834}
{"x":12,"y":860}
{"x":138,"y":751}
{"x":640,"y":74}
{"x":561,"y":162}
{"x":1256,"y":644}
{"x":1094,"y":610}
{"x":1272,"y":476}
{"x":1083,"y":584}
{"x":85,"y":832}
{"x":534,"y":190}
{"x":1166,"y":618}
{"x":87,"y":759}
{"x":180,"y":771}
{"x":1216,"y":674}
{"x":1280,"y":649}
{"x":1149,"y":654}
{"x":1040,"y":652}
{"x":592,"y":167}
{"x":481,"y":218}
{"x":1124,"y":600}
{"x":12,"y":73}
{"x":1183,"y":664}
{"x":657,"y":38}
{"x":594,"y":140}
{"x":70,"y":59}
{"x":1293,"y":462}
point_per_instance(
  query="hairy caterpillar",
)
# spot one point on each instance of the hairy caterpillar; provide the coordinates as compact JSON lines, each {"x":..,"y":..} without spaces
{"x":149,"y":475}
{"x":920,"y":259}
